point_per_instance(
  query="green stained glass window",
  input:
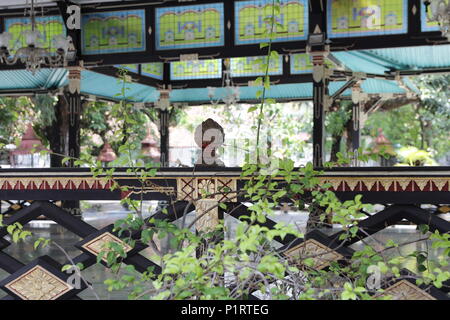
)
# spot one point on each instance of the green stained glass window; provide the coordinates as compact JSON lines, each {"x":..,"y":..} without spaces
{"x":113,"y":32}
{"x":200,"y":69}
{"x":190,"y":26}
{"x":358,"y":18}
{"x":253,"y":24}
{"x":428,"y":24}
{"x":255,"y":66}
{"x":153,"y":70}
{"x":49,"y":27}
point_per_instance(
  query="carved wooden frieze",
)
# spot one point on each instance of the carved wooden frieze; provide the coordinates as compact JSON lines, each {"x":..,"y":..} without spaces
{"x":392,"y":184}
{"x":185,"y":184}
{"x":219,"y":189}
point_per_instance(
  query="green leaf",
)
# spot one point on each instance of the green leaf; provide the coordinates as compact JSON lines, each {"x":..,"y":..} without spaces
{"x":252,"y":108}
{"x":66,"y":267}
{"x":421,"y":258}
{"x":422,"y":268}
{"x":424,"y":228}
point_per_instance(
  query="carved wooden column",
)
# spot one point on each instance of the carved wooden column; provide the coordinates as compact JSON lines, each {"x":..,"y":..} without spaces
{"x":164,"y":137}
{"x":319,"y":88}
{"x":318,"y":51}
{"x":75,"y":109}
{"x":207,"y":212}
{"x":320,"y":102}
{"x":163,"y":105}
{"x":359,"y":98}
{"x":209,"y":215}
{"x":73,"y":98}
{"x":355,"y":132}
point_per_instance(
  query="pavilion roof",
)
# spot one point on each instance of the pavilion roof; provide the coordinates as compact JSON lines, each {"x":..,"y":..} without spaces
{"x":382,"y":62}
{"x":108,"y":87}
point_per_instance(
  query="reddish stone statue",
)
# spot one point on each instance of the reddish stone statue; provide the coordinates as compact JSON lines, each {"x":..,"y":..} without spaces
{"x":209,"y":136}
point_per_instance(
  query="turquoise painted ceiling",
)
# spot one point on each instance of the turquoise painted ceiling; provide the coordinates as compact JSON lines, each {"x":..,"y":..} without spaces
{"x":97,"y":84}
{"x":377,"y":61}
{"x":23,"y":80}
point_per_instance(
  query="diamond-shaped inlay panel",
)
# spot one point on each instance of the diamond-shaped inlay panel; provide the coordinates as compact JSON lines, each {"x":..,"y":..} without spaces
{"x":405,"y":290}
{"x":38,"y":284}
{"x":97,"y":245}
{"x":321,"y":254}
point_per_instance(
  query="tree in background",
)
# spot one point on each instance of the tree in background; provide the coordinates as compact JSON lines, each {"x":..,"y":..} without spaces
{"x":101,"y":119}
{"x":425,"y":124}
{"x":17,"y":112}
{"x":337,"y":124}
{"x":49,"y":115}
{"x":11,"y":111}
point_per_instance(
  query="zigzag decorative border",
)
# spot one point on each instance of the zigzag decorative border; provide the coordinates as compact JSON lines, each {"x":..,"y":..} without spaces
{"x":338,"y":184}
{"x":392,"y":184}
{"x":54,"y":183}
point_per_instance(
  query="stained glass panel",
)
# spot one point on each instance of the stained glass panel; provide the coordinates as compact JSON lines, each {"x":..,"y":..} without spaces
{"x":252,"y":26}
{"x":254,"y":66}
{"x":113,"y":32}
{"x":428,"y":25}
{"x":301,"y":63}
{"x":130,"y":67}
{"x":357,"y":18}
{"x":49,"y":27}
{"x":200,"y":69}
{"x":190,"y":26}
{"x":153,"y":70}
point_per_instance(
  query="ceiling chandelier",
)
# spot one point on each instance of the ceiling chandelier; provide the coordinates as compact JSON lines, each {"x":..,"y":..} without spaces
{"x":32,"y":55}
{"x":440,"y":11}
{"x":231,"y":91}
